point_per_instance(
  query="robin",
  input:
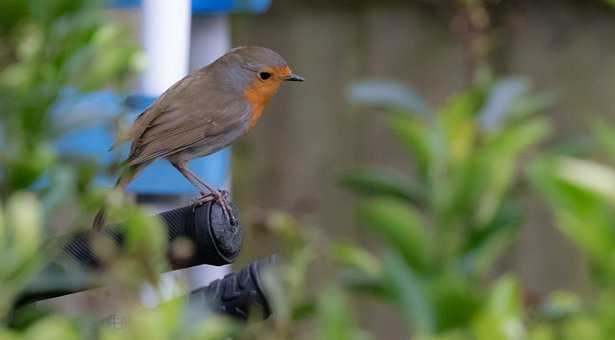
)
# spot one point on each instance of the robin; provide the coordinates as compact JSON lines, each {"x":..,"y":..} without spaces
{"x":203,"y":113}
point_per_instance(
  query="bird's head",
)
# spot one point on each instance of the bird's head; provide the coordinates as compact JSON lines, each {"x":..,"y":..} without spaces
{"x":260,"y":72}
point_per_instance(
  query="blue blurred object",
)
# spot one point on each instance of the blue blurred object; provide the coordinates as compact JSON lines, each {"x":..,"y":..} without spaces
{"x":212,"y":6}
{"x":93,"y":113}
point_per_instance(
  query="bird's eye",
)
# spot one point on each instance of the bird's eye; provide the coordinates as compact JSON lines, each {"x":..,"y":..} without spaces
{"x":264,"y":75}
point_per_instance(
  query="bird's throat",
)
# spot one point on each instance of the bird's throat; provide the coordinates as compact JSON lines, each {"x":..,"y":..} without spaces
{"x":258,"y":96}
{"x":255,"y":115}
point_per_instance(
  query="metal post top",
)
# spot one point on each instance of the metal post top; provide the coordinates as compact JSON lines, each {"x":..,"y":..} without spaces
{"x":212,"y":6}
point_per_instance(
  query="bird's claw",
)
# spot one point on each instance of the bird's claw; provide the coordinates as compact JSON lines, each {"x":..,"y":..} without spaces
{"x":220,"y":196}
{"x":202,"y":200}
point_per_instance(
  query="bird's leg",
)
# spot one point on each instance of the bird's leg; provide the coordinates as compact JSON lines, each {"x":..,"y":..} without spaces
{"x":208,"y":193}
{"x":203,"y":189}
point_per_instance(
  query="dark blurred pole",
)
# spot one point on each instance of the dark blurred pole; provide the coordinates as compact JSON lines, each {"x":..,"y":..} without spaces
{"x":239,"y":294}
{"x":211,"y":237}
{"x":205,"y":230}
{"x":215,"y":240}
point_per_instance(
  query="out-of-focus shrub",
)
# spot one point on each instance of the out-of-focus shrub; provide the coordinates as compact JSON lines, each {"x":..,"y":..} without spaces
{"x":49,"y":48}
{"x":445,"y":222}
{"x":581,"y":195}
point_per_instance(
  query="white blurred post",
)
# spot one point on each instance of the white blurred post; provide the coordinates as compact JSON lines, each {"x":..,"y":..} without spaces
{"x":166,"y":41}
{"x":166,"y":44}
{"x":211,"y":38}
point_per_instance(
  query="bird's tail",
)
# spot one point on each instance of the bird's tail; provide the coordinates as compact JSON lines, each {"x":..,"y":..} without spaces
{"x":122,"y":182}
{"x":99,"y":219}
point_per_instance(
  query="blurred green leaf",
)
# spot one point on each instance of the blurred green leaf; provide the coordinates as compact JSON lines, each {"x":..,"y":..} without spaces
{"x":12,"y":13}
{"x":24,"y":215}
{"x":455,"y":299}
{"x":499,"y":158}
{"x":578,"y":203}
{"x":361,"y":282}
{"x":47,"y":12}
{"x":362,"y":271}
{"x":481,"y":257}
{"x":20,"y":233}
{"x":285,"y":285}
{"x":357,"y":257}
{"x":144,"y":244}
{"x":589,"y":176}
{"x":213,"y":328}
{"x":22,"y":172}
{"x":53,"y":328}
{"x":400,"y":225}
{"x":604,"y":135}
{"x":287,"y":227}
{"x":529,"y":104}
{"x":562,"y":304}
{"x":108,"y":58}
{"x":459,"y":126}
{"x":416,"y":140}
{"x":502,"y":317}
{"x":410,"y":294}
{"x":582,"y":328}
{"x":336,"y":320}
{"x":158,"y":323}
{"x":481,"y":182}
{"x":541,"y":331}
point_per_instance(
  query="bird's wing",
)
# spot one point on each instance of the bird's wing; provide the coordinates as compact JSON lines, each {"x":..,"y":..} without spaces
{"x":145,"y":119}
{"x":184,"y":123}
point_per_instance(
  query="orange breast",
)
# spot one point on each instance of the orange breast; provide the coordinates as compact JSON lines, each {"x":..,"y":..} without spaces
{"x":255,"y":115}
{"x":258,"y":96}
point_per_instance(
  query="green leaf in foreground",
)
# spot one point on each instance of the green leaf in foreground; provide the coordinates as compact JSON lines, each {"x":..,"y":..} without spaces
{"x":401,"y":226}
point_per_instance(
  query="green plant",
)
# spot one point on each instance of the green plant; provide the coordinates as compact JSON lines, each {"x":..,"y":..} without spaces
{"x":445,"y":223}
{"x":442,"y":224}
{"x":49,"y":48}
{"x":581,"y":195}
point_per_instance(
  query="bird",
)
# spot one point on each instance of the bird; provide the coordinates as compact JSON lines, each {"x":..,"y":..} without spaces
{"x":202,"y":113}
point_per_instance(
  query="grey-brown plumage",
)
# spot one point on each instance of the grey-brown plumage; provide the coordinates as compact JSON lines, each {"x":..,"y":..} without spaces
{"x":203,"y":113}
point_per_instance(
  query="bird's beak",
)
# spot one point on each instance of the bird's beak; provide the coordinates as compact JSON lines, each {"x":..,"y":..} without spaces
{"x":294,"y":77}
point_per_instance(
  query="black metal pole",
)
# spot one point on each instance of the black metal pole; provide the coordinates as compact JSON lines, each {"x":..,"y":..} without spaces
{"x":214,"y":239}
{"x":239,"y":294}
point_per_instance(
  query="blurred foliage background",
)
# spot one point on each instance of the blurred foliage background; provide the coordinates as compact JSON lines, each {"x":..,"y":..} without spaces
{"x":49,"y":49}
{"x":438,"y":177}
